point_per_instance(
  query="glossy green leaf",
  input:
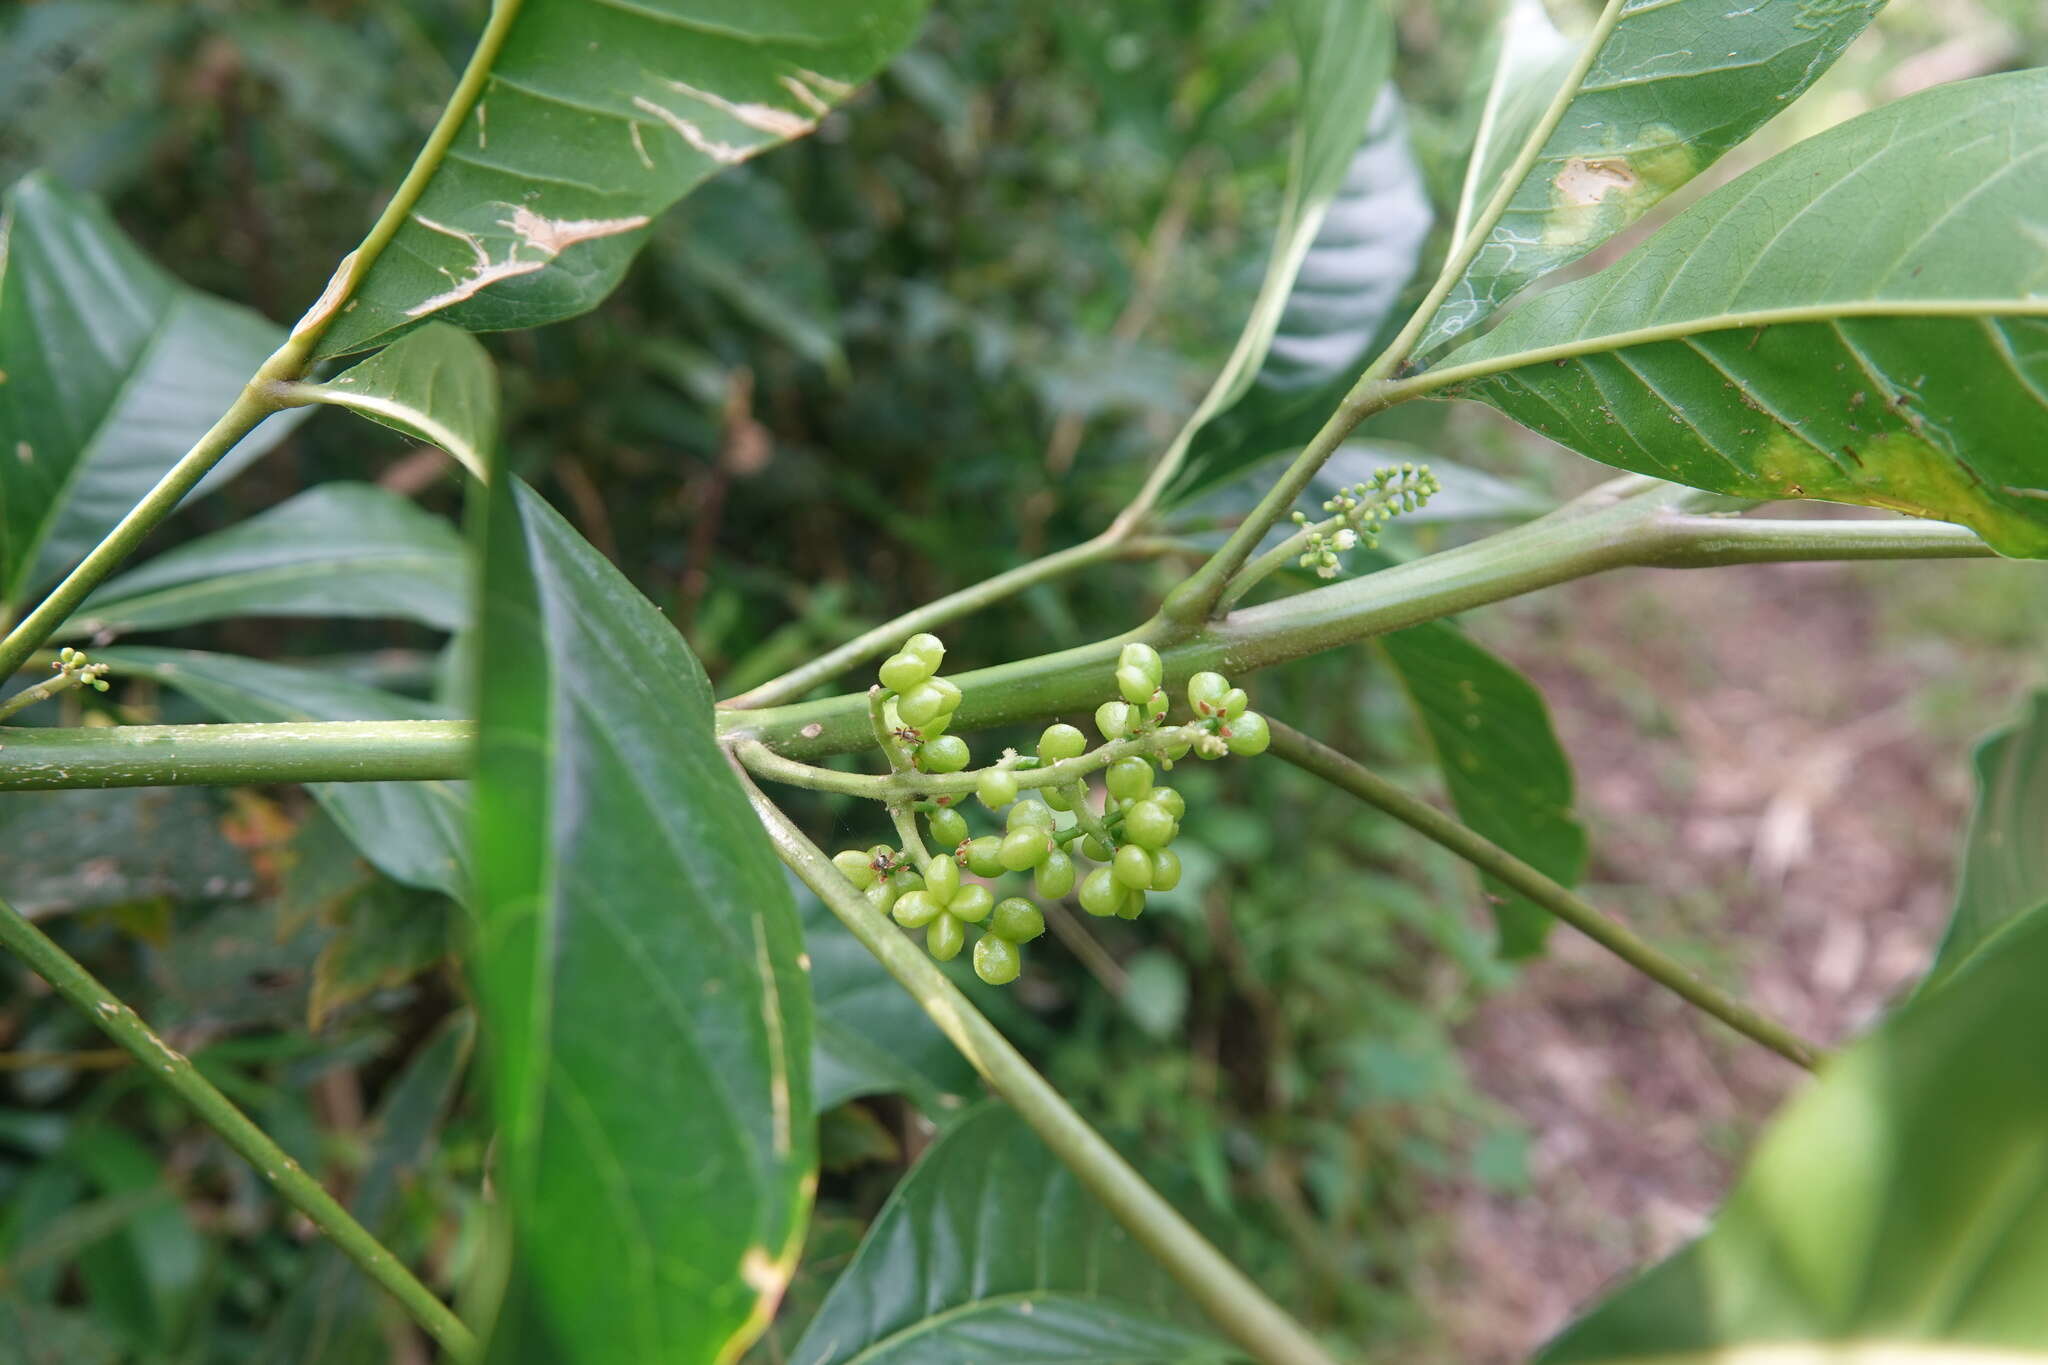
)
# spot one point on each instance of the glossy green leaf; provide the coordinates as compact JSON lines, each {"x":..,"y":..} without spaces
{"x":145,"y":1277}
{"x":1856,"y":320}
{"x":87,"y":850}
{"x":1506,"y":773}
{"x":870,"y":1037}
{"x":2005,"y":858}
{"x":341,"y":549}
{"x":1895,"y":1214}
{"x":647,"y":1025}
{"x":414,"y":832}
{"x":436,"y":385}
{"x":1343,"y":290}
{"x":1531,"y":60}
{"x":595,"y":116}
{"x":989,"y":1250}
{"x":1675,"y":84}
{"x":112,"y":369}
{"x":328,"y":1319}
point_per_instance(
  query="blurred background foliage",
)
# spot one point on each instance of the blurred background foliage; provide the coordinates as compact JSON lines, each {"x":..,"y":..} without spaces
{"x":945,"y":334}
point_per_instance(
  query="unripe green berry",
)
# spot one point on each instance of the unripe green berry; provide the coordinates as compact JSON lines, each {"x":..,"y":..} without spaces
{"x":945,"y":938}
{"x":1055,"y":876}
{"x":984,"y":856}
{"x":1249,"y":734}
{"x":1206,"y":692}
{"x":1234,"y":703}
{"x":971,"y":903}
{"x":915,"y":909}
{"x":1056,"y":797}
{"x":948,"y":826}
{"x":1017,"y":920}
{"x":996,"y":960}
{"x":946,"y":754}
{"x":883,"y":895}
{"x":1133,"y":868}
{"x":858,"y":867}
{"x":1029,"y":815}
{"x":1176,"y":751}
{"x":1165,"y":869}
{"x":942,"y":879}
{"x":1147,"y":825}
{"x":1134,"y":685}
{"x":997,"y":788}
{"x":1145,"y":659}
{"x":1061,"y":741}
{"x":949,"y":695}
{"x":1132,"y":905}
{"x":1155,"y":707}
{"x":1095,"y":849}
{"x":1115,"y":719}
{"x":1025,"y":848}
{"x":1101,"y":894}
{"x":926,"y":647}
{"x":901,"y":672}
{"x":936,"y":726}
{"x":1128,"y":778}
{"x":906,"y":878}
{"x":921,"y":703}
{"x":1169,"y":800}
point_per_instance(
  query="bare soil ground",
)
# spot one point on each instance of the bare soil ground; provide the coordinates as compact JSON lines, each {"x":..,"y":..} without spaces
{"x":1774,"y":766}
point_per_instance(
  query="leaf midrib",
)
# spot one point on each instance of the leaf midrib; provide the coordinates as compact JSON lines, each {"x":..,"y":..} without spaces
{"x":1432,"y":381}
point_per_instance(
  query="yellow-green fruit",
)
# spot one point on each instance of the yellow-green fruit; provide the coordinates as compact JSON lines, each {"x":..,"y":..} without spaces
{"x":915,"y":909}
{"x":1169,"y":800}
{"x":1055,"y":876}
{"x":1025,"y":848}
{"x":949,"y":695}
{"x":1135,"y":687}
{"x":883,"y":895}
{"x":901,"y":672}
{"x":946,"y":754}
{"x":1029,"y":815}
{"x":1115,"y":719}
{"x":1249,"y":734}
{"x":984,"y":856}
{"x":1095,"y":850}
{"x":1165,"y":869}
{"x":971,"y":903}
{"x":1147,"y":825}
{"x":1132,"y":906}
{"x":1234,"y":703}
{"x":1100,"y":893}
{"x":858,"y":867}
{"x":948,"y":826}
{"x":926,"y":647}
{"x":921,"y":703}
{"x":1206,"y":692}
{"x":1061,"y":741}
{"x":1133,"y":868}
{"x":996,"y":960}
{"x":1128,"y":778}
{"x":945,"y":938}
{"x":1143,"y":659}
{"x":997,"y":788}
{"x":1057,"y":798}
{"x":1017,"y":920}
{"x":942,"y":879}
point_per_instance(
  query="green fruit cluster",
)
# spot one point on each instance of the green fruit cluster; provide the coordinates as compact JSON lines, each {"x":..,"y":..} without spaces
{"x":1112,"y":851}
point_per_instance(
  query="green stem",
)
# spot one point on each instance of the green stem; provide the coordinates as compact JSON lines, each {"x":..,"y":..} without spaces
{"x":905,"y":784}
{"x":41,"y":692}
{"x":1233,"y":1301}
{"x":1273,"y":560}
{"x":45,"y":759}
{"x":1196,"y":599}
{"x":1349,"y":775}
{"x":931,"y":616}
{"x":285,"y":1175}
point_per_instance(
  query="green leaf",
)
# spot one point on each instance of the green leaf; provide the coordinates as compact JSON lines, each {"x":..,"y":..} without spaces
{"x":1334,"y":291}
{"x":869,"y":1036}
{"x":1354,"y":203}
{"x":342,"y":549}
{"x":594,"y":115}
{"x":412,"y":831}
{"x":87,"y":850}
{"x":1507,"y":775}
{"x":2005,"y":859}
{"x":436,"y":385}
{"x":1893,"y":1215}
{"x":144,"y":1278}
{"x":112,"y":369}
{"x":1862,"y":319}
{"x":989,"y":1250}
{"x":1531,"y":60}
{"x":646,"y":1020}
{"x":1676,"y":84}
